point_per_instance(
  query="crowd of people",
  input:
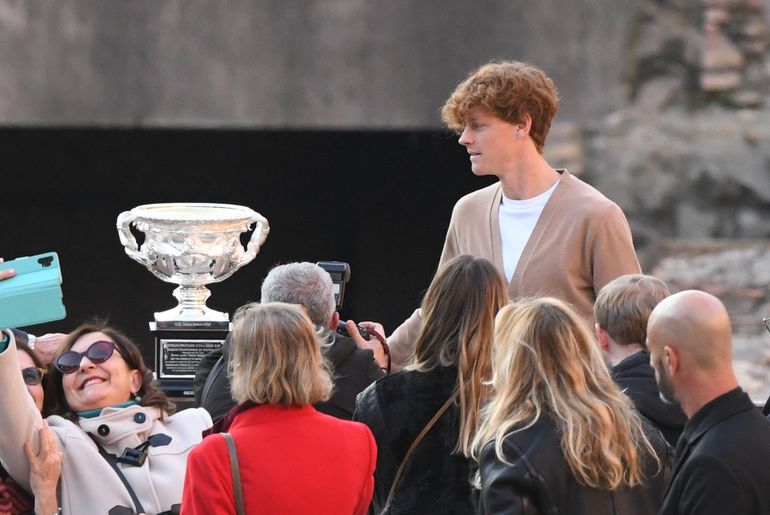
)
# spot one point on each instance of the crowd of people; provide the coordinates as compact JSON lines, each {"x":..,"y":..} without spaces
{"x":542,"y":373}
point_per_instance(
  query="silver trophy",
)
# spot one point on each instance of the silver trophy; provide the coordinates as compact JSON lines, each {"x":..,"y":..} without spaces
{"x":192,"y":244}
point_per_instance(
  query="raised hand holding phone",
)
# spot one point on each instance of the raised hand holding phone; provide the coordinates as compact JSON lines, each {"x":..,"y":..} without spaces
{"x":31,"y":291}
{"x":8,"y":272}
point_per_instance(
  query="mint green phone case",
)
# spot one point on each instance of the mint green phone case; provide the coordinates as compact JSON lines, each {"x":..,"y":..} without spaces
{"x":33,"y":295}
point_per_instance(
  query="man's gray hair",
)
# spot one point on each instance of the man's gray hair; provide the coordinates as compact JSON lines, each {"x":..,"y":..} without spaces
{"x":302,"y":283}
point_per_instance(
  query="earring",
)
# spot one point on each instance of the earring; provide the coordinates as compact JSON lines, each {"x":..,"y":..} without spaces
{"x":137,"y":397}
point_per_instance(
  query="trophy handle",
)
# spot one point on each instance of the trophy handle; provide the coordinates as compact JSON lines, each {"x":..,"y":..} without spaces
{"x":257,"y":237}
{"x":127,"y":238}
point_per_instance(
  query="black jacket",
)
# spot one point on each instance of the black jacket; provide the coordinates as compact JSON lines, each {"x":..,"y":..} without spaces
{"x":354,"y":369}
{"x":539,"y":481}
{"x":721,"y":461}
{"x":636,"y":377}
{"x":435,"y":480}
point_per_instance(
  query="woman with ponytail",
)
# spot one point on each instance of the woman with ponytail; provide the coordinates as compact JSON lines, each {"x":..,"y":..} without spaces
{"x":424,"y":417}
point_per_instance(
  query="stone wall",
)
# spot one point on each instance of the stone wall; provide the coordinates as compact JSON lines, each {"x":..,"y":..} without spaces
{"x":688,"y":155}
{"x":299,"y":64}
{"x":688,"y":159}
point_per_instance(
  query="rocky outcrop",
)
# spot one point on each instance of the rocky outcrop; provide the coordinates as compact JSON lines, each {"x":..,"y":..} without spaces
{"x":715,"y":49}
{"x":684,"y":158}
{"x":688,"y":160}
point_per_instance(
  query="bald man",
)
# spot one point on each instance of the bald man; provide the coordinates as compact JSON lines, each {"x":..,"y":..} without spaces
{"x":721,"y":460}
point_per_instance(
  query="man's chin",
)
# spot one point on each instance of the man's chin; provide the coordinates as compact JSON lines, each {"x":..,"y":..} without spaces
{"x":480,"y":172}
{"x":668,"y":399}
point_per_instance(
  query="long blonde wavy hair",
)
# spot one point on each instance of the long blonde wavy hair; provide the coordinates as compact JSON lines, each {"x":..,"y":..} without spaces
{"x":546,"y":363}
{"x":457,"y":326}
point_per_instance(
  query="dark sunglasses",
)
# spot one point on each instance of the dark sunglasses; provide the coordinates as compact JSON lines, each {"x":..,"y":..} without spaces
{"x":97,"y":352}
{"x":32,"y":375}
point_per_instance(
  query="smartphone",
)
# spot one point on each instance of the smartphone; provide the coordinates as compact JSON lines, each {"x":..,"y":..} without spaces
{"x":33,"y":295}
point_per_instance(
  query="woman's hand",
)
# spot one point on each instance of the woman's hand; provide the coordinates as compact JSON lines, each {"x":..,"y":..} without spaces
{"x":44,"y":470}
{"x":376,"y":343}
{"x":47,"y":345}
{"x":5,"y":274}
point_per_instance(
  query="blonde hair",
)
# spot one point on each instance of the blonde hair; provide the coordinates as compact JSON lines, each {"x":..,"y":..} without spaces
{"x":276,"y":358}
{"x":457,"y":326}
{"x":545,"y":363}
{"x":510,"y":90}
{"x":624,"y":304}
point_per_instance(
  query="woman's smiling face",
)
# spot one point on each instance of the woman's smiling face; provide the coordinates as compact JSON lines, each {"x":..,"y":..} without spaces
{"x":99,"y":385}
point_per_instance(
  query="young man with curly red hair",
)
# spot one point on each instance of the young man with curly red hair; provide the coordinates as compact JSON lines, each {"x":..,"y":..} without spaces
{"x":549,"y":232}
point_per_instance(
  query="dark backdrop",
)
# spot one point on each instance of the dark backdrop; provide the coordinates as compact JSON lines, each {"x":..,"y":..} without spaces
{"x":378,"y":200}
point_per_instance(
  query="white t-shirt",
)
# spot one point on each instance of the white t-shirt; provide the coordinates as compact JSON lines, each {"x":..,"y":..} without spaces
{"x":517,"y":221}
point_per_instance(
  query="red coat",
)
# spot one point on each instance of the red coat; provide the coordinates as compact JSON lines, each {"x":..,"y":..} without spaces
{"x":292,"y":461}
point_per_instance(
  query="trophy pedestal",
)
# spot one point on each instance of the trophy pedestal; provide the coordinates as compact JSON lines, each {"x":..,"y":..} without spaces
{"x":179,"y":347}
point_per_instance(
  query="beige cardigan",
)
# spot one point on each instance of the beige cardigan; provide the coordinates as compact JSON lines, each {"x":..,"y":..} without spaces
{"x":580,"y":243}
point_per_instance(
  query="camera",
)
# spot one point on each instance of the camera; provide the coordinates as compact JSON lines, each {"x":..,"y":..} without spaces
{"x":343,"y":330}
{"x":340,"y":274}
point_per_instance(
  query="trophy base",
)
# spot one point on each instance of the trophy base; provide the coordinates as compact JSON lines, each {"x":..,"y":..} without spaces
{"x":197,"y":314}
{"x":179,"y":347}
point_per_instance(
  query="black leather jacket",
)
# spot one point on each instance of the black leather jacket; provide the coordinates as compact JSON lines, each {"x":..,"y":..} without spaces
{"x":636,"y":378}
{"x":538,"y":479}
{"x":435,"y":479}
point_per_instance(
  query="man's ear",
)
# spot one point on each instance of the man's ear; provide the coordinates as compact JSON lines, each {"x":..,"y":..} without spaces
{"x":671,"y":360}
{"x":602,"y":337}
{"x":523,"y":127}
{"x":334,"y":321}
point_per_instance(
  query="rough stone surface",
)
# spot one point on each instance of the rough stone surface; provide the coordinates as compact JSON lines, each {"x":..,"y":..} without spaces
{"x":688,"y":160}
{"x":274,"y":64}
{"x":720,"y":53}
{"x":738,"y":272}
{"x":565,"y":147}
{"x":720,"y":81}
{"x":685,"y":175}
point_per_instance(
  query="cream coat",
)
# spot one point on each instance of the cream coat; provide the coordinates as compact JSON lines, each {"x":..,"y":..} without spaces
{"x":88,"y":485}
{"x":581,"y":242}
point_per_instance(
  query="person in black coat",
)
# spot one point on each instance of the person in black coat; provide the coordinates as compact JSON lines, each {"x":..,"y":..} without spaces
{"x":311,"y":286}
{"x":444,"y":380}
{"x":622,"y":310}
{"x":721,"y":458}
{"x":558,"y":436}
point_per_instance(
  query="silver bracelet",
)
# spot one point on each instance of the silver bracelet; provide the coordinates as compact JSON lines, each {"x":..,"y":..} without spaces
{"x":31,"y":338}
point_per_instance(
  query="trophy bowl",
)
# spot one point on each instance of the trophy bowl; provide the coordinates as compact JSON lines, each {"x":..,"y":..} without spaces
{"x":192,"y":244}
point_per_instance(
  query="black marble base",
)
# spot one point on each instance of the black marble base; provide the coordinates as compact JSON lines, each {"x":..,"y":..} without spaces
{"x":179,"y":347}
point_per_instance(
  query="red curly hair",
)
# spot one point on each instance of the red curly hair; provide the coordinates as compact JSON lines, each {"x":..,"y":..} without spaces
{"x":510,"y":90}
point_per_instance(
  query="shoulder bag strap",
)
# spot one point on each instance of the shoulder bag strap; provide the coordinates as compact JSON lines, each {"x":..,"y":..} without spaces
{"x":113,"y":461}
{"x":236,"y":473}
{"x":417,"y":440}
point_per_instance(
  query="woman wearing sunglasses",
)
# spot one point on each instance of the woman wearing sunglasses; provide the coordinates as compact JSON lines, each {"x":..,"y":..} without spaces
{"x":45,"y":465}
{"x":124,"y":449}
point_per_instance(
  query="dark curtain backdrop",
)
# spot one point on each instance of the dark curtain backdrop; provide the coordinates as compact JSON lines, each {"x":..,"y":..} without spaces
{"x":378,"y":200}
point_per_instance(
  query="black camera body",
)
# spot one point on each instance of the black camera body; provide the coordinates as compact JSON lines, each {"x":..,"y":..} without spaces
{"x":340,"y":274}
{"x":343,"y":330}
